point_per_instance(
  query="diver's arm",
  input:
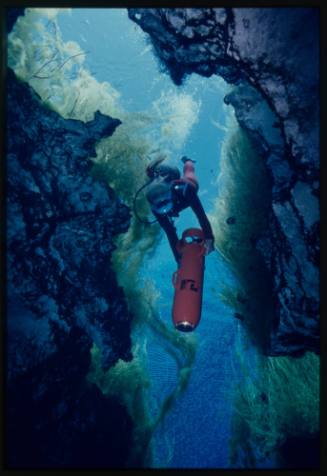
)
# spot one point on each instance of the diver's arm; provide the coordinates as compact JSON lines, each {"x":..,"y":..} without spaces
{"x":170,"y":231}
{"x":197,"y":207}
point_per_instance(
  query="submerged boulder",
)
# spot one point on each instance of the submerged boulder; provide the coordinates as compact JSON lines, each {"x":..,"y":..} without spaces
{"x":271,"y":55}
{"x":62,"y":294}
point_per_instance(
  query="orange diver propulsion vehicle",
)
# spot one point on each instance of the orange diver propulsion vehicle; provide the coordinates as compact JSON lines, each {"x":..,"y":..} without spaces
{"x":188,"y":281}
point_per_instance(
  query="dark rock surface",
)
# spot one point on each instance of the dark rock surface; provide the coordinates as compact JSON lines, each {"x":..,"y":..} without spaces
{"x":62,"y":294}
{"x":11,"y":16}
{"x":272,"y":56}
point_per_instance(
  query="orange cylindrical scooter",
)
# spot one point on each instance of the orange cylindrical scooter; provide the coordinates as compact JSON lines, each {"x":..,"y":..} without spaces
{"x":188,"y":281}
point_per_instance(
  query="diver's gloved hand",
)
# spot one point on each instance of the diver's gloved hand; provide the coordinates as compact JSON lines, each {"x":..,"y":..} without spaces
{"x":208,"y":246}
{"x":185,"y":159}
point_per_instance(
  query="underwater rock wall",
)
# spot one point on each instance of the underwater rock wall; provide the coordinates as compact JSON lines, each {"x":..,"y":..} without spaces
{"x":272,"y":56}
{"x":11,"y":16}
{"x":62,"y":295}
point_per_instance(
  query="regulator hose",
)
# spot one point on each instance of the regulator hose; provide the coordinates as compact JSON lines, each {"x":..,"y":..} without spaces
{"x":145,"y":222}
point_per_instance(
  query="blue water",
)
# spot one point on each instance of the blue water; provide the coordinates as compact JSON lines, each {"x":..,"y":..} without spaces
{"x":196,"y":432}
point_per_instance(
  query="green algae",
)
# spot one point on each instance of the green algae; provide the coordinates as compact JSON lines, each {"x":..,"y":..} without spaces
{"x":280,"y":402}
{"x":130,"y":382}
{"x":238,"y":218}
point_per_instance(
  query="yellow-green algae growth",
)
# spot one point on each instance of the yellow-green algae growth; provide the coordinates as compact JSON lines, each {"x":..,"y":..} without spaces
{"x":280,"y":402}
{"x":54,"y":68}
{"x":279,"y":399}
{"x":238,"y":218}
{"x":129,"y":381}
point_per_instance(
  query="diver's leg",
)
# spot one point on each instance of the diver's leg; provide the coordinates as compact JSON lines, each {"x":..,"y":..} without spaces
{"x":173,"y":240}
{"x":170,"y":230}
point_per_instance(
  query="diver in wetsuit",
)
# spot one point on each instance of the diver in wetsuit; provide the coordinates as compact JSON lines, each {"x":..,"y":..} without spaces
{"x":169,"y":194}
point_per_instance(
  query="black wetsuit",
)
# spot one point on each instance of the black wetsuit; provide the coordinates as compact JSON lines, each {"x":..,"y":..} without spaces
{"x":184,"y":196}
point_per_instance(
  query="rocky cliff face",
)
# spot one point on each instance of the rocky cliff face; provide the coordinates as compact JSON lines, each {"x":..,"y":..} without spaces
{"x":272,"y":56}
{"x":62,"y":294}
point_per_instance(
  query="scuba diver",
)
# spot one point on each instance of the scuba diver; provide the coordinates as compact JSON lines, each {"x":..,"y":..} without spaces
{"x":169,"y":193}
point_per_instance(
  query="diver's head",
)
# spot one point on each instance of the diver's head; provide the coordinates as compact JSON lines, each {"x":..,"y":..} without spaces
{"x":160,"y":197}
{"x":168,"y":172}
{"x":157,"y":169}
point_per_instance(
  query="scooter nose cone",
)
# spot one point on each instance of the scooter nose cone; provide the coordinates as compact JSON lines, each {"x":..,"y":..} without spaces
{"x":184,"y":326}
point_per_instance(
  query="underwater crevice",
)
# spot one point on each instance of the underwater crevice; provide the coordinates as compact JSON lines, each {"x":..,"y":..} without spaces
{"x":79,"y":314}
